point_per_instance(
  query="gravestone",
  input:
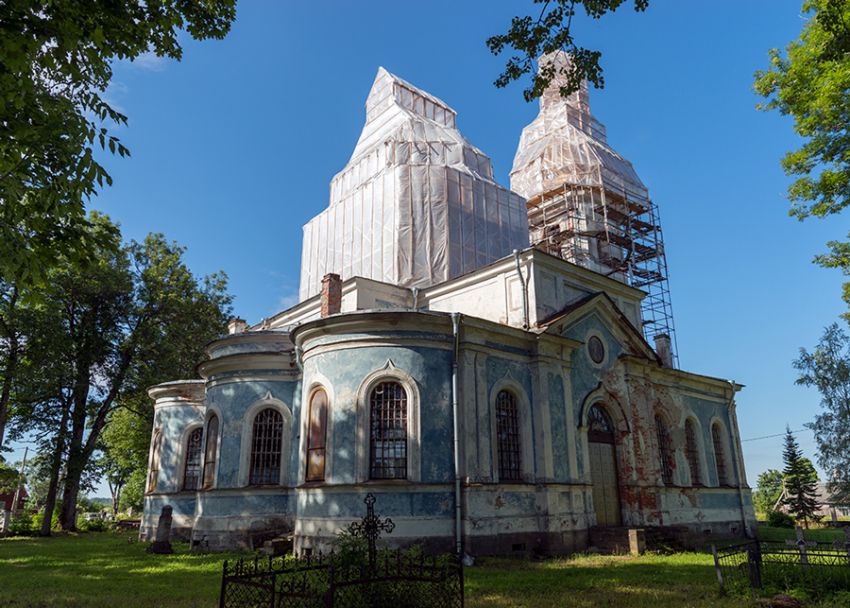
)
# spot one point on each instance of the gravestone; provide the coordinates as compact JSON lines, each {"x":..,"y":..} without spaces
{"x":162,"y":544}
{"x":637,"y":541}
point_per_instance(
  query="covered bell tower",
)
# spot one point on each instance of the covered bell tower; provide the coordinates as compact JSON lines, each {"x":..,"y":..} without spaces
{"x":586,"y":204}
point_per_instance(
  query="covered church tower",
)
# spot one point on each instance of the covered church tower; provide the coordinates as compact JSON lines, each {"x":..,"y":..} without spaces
{"x":586,"y":204}
{"x":416,"y":205}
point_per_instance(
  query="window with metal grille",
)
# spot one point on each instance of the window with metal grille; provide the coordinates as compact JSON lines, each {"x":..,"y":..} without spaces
{"x":719,"y":455}
{"x":388,"y":432}
{"x":211,"y":452}
{"x":507,"y":436}
{"x":317,"y":436}
{"x":691,"y":452}
{"x":665,"y":450}
{"x":192,"y":466}
{"x":266,"y":440}
{"x":153,"y":474}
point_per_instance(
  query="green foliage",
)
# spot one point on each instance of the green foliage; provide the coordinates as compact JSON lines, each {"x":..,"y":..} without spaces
{"x":801,"y":481}
{"x":550,"y":31}
{"x":95,"y":525}
{"x":768,"y":491}
{"x":827,"y":369}
{"x":779,"y":519}
{"x":809,"y":82}
{"x":9,"y":477}
{"x":22,"y":525}
{"x":57,"y":58}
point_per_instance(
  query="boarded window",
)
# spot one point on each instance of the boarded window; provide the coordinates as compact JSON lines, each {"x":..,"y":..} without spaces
{"x":719,"y":455}
{"x":192,"y":466}
{"x":211,"y":452}
{"x":388,"y":432}
{"x":266,"y":441}
{"x":317,"y":436}
{"x":507,"y":436}
{"x":156,"y":448}
{"x":691,"y":452}
{"x":665,"y":450}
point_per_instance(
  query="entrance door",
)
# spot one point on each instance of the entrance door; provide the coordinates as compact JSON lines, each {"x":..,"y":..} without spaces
{"x":603,"y":468}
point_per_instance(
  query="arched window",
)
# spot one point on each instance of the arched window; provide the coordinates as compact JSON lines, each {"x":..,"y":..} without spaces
{"x":317,"y":436}
{"x":691,"y":452}
{"x":192,"y":467}
{"x":266,"y":440}
{"x":388,"y":432}
{"x":507,"y":436}
{"x":719,"y":455}
{"x":665,"y":450}
{"x":600,"y":429}
{"x":211,"y":452}
{"x":153,"y":474}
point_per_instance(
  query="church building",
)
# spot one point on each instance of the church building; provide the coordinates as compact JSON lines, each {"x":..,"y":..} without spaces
{"x":496,"y":366}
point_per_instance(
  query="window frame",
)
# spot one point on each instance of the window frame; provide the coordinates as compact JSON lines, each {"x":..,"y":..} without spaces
{"x":665,"y":450}
{"x":210,"y":466}
{"x":155,"y":461}
{"x":198,"y":432}
{"x":274,"y":441}
{"x":720,"y":448}
{"x":325,"y":435}
{"x":692,"y":452}
{"x":399,"y":402}
{"x":508,"y":449}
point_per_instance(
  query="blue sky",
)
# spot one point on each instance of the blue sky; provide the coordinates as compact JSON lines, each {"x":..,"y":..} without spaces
{"x":234,"y":147}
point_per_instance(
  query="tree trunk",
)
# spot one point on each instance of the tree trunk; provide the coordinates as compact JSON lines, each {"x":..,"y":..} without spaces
{"x":55,"y":468}
{"x":11,"y":368}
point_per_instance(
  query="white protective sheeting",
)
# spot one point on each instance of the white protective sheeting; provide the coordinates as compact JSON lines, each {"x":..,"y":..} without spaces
{"x":416,"y":204}
{"x":565,"y":144}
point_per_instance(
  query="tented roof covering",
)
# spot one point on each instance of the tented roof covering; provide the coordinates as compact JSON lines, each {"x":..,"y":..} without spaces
{"x":416,"y":204}
{"x":565,"y":144}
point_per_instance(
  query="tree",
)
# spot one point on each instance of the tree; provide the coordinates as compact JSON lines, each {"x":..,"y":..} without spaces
{"x":801,"y":481}
{"x":810,"y":83}
{"x":56,"y":61}
{"x":124,"y":445}
{"x":768,"y":491}
{"x":551,"y":31}
{"x":131,"y":317}
{"x":827,"y":369}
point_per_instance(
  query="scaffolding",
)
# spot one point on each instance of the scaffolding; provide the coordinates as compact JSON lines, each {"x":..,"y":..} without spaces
{"x":587,"y":205}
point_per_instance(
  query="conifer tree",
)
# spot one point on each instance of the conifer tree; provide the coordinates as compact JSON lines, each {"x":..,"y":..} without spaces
{"x":800,"y":481}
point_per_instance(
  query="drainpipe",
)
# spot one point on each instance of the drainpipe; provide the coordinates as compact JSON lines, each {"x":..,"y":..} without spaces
{"x":456,"y":426}
{"x":298,"y":362}
{"x":733,"y":419}
{"x":415,"y":291}
{"x":524,"y":290}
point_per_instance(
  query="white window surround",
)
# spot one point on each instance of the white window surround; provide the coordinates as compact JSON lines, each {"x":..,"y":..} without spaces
{"x":212,"y":410}
{"x":525,"y":430}
{"x":317,"y":381}
{"x":388,"y":373}
{"x":155,"y":455}
{"x":247,"y":436}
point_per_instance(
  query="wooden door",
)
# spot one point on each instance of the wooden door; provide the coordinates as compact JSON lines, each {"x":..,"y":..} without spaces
{"x":603,"y":467}
{"x":603,"y":474}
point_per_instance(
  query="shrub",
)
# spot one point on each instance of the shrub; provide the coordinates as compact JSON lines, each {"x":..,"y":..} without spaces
{"x":95,"y":525}
{"x":778,"y":519}
{"x":22,"y":525}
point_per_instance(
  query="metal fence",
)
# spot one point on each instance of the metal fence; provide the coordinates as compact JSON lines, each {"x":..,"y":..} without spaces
{"x":819,"y":567}
{"x":353,"y":579}
{"x":397,"y":579}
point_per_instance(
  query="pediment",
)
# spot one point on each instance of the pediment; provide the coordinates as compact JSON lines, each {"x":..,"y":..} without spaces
{"x":604,"y":308}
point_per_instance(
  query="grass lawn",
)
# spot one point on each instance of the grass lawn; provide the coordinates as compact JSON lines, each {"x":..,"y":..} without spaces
{"x":102,"y":570}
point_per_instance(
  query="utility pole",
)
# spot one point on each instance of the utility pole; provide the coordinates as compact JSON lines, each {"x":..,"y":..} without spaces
{"x":20,"y":483}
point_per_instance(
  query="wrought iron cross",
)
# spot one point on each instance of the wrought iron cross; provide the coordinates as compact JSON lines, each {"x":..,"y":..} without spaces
{"x":370,"y":528}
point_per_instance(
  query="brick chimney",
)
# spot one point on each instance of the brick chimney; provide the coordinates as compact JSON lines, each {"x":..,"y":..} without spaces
{"x":331,"y":294}
{"x":664,"y":349}
{"x":236,"y":325}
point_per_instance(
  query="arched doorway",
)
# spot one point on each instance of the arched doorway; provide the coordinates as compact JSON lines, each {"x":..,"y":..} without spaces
{"x":603,"y":467}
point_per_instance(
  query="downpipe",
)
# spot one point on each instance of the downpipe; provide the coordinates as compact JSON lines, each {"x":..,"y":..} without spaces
{"x":456,"y":427}
{"x":524,"y":290}
{"x":733,"y":419}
